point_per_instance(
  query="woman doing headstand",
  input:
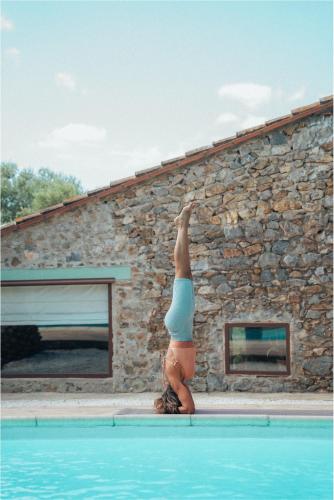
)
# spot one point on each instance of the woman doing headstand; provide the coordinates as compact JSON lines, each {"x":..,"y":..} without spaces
{"x":179,"y":362}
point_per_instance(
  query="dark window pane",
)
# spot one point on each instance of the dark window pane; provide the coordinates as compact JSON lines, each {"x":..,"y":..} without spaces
{"x":257,"y":348}
{"x":55,"y":350}
{"x":55,"y":330}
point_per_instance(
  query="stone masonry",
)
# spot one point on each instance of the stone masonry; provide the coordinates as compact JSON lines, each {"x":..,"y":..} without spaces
{"x":261,"y":250}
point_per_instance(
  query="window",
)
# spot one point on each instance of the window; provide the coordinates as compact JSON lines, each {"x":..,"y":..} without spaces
{"x":56,"y":329}
{"x":258,"y":348}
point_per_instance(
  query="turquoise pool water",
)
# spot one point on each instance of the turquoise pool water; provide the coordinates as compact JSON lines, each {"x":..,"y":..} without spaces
{"x":254,"y":462}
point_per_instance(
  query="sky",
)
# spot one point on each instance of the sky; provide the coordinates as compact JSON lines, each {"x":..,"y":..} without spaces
{"x":102,"y":89}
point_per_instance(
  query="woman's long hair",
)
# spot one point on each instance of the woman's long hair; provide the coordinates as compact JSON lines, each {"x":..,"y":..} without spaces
{"x":168,"y":402}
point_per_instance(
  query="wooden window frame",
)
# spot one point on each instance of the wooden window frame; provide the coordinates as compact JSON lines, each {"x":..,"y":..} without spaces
{"x":85,"y":281}
{"x":228,"y":371}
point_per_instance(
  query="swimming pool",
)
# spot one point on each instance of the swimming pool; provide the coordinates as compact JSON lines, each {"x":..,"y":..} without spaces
{"x":253,"y":459}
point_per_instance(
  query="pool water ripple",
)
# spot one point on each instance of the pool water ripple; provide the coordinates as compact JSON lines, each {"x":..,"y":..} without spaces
{"x":260,"y":463}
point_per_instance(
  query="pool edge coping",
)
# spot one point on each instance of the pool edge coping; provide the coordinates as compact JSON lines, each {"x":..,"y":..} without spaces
{"x":235,"y":420}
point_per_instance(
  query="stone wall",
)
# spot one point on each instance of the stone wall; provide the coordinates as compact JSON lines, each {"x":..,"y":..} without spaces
{"x":260,"y":250}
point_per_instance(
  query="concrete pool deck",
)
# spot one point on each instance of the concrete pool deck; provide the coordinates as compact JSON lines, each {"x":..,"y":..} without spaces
{"x":88,"y":405}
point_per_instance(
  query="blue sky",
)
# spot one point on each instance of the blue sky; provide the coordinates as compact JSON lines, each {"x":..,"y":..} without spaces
{"x":100,"y":90}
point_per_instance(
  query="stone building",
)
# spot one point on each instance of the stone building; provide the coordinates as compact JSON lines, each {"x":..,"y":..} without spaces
{"x":93,"y":275}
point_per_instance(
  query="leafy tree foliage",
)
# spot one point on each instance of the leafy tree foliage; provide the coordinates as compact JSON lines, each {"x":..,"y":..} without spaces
{"x":24,"y":192}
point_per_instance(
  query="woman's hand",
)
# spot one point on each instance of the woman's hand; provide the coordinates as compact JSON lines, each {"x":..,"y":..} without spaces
{"x":183,"y":409}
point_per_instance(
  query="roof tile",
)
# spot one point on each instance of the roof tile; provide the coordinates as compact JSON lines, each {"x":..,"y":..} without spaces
{"x":74,"y":198}
{"x":249,"y":130}
{"x":7,"y":224}
{"x":97,"y":190}
{"x":147,"y":170}
{"x":172,"y":160}
{"x":120,"y":181}
{"x":328,"y":98}
{"x":278,"y":119}
{"x":197,"y":150}
{"x":227,"y":139}
{"x":304,"y":108}
{"x":52,"y":207}
{"x":18,"y":220}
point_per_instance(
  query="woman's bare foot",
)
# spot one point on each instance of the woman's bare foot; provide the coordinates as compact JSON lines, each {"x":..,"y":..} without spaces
{"x":185,"y":214}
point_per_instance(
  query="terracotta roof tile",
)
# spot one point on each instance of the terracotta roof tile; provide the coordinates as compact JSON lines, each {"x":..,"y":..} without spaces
{"x":97,"y":190}
{"x":324,"y":105}
{"x":121,"y":181}
{"x":74,"y":198}
{"x":249,"y":130}
{"x":18,"y":220}
{"x":147,"y":170}
{"x":328,"y":98}
{"x":223,"y":141}
{"x":304,"y":108}
{"x":197,"y":150}
{"x":53,"y":207}
{"x":278,"y":119}
{"x":172,"y":160}
{"x":7,"y":224}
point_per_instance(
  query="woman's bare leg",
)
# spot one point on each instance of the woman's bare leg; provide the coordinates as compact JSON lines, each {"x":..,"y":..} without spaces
{"x":181,"y":250}
{"x":181,"y":254}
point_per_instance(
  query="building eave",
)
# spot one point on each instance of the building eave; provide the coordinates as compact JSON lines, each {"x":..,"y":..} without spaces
{"x":325,"y":104}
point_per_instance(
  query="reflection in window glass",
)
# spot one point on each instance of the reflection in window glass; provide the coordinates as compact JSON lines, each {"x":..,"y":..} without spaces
{"x":55,"y":330}
{"x":55,"y":350}
{"x":257,"y":348}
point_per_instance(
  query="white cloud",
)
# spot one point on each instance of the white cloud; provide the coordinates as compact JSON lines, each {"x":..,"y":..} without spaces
{"x":12,"y":52}
{"x":109,"y":163}
{"x":6,"y":24}
{"x":251,"y":95}
{"x":299,"y":94}
{"x":139,"y":157}
{"x":227,"y":118}
{"x":65,"y":80}
{"x":65,"y":156}
{"x":252,"y":121}
{"x":74,"y":134}
{"x":278,"y":93}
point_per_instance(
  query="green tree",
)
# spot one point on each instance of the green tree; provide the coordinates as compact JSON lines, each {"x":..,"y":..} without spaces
{"x":23,"y":192}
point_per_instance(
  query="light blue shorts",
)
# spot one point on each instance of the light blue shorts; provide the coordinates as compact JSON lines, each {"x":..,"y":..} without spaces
{"x":180,"y":315}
